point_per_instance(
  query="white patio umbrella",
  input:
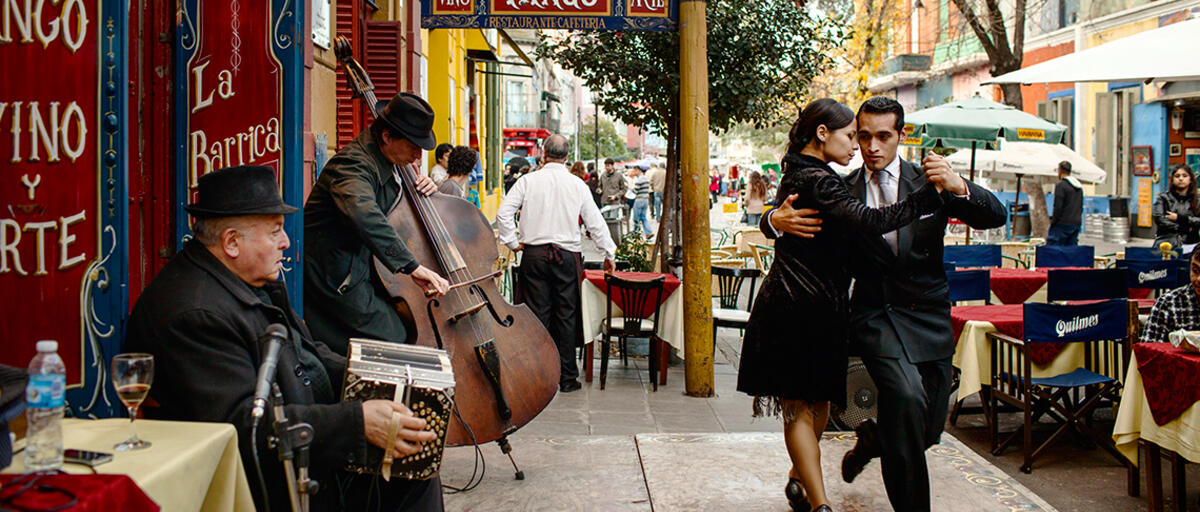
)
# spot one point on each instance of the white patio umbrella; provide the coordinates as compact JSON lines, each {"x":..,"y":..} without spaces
{"x":1017,"y":159}
{"x":1163,"y":54}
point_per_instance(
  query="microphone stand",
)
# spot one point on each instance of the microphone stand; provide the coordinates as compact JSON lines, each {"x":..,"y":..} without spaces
{"x":292,"y":441}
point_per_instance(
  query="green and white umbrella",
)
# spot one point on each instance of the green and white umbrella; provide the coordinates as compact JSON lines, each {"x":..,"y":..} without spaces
{"x":977,"y":123}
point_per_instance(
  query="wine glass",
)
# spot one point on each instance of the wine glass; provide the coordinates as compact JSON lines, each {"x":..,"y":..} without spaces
{"x":132,"y":375}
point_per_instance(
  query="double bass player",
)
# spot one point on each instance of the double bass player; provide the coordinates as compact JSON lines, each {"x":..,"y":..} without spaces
{"x":345,"y":226}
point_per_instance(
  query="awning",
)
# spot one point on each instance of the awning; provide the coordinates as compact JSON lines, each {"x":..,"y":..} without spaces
{"x":1166,"y":54}
{"x":1028,"y":159}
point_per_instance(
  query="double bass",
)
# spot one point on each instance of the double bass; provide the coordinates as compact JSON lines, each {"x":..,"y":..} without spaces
{"x":506,"y":366}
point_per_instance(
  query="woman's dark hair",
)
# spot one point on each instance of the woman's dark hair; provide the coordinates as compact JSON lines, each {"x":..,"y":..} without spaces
{"x":1191,"y":191}
{"x":461,"y":162}
{"x":824,"y":111}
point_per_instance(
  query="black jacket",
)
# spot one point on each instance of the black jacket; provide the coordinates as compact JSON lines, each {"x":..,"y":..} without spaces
{"x":1183,"y":229}
{"x":901,"y":304}
{"x":345,"y":229}
{"x":202,"y":324}
{"x":1068,"y":205}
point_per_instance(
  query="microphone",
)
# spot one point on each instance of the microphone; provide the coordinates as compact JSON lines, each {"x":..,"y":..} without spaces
{"x":273,"y":337}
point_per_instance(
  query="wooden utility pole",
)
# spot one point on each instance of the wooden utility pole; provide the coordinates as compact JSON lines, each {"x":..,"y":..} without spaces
{"x":697,"y":271}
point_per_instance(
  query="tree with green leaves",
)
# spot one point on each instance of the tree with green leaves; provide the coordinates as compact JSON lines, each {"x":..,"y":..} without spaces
{"x":611,"y":145}
{"x":762,"y":54}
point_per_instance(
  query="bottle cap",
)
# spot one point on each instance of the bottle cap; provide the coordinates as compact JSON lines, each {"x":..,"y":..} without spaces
{"x":47,"y":346}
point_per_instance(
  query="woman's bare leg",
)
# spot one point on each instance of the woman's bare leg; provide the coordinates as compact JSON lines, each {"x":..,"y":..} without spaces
{"x":802,"y":436}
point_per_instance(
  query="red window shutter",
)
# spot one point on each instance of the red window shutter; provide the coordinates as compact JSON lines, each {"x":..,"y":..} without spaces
{"x":348,"y":21}
{"x":384,"y":57}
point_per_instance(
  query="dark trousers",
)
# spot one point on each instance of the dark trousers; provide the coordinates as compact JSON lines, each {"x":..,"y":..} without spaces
{"x":913,"y":402}
{"x":1063,"y":235}
{"x":370,"y":493}
{"x":550,"y":286}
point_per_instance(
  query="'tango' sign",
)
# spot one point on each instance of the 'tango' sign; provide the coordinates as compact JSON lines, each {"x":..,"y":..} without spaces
{"x":234,"y":90}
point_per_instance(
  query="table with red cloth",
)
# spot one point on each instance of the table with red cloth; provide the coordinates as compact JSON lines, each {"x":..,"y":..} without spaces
{"x":1018,"y":285}
{"x":1158,"y":411}
{"x":593,"y":305}
{"x":189,"y":466}
{"x":91,"y":493}
{"x":973,"y":352}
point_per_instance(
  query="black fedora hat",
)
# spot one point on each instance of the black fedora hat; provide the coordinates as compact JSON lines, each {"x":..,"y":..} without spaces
{"x":241,"y":190}
{"x":412,"y":117}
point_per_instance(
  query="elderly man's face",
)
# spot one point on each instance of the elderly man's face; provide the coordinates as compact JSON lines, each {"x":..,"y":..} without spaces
{"x":260,"y":245}
{"x":399,"y":151}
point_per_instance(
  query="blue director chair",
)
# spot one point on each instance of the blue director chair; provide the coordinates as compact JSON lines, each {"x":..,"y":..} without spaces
{"x":1065,"y":256}
{"x":1086,"y":284}
{"x":1143,"y":253}
{"x":1069,"y":398}
{"x":969,"y":285}
{"x":1155,"y":274}
{"x":972,"y":255}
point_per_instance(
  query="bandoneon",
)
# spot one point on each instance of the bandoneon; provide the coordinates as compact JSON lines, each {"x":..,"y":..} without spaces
{"x":419,"y":377}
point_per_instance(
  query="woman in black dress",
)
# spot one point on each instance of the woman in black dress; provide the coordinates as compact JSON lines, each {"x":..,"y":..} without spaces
{"x":794,"y":354}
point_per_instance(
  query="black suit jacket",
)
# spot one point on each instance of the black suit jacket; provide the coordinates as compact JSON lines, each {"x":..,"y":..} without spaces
{"x":900,"y":306}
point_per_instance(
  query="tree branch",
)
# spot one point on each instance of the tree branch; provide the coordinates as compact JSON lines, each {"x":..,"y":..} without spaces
{"x":964,"y":8}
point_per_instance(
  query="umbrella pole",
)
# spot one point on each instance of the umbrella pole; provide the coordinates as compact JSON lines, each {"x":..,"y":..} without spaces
{"x":1016,"y":204}
{"x":968,"y":241}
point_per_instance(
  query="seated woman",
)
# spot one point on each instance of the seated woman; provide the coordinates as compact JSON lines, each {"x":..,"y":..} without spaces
{"x":1177,"y":210}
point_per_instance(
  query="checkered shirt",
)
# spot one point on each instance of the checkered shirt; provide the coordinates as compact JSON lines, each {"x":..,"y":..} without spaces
{"x":1175,"y":310}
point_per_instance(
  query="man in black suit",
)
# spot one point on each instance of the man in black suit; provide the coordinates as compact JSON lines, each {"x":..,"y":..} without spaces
{"x":900,"y":309}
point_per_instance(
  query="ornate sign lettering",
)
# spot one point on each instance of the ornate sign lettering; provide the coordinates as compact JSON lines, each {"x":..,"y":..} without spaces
{"x":551,"y":14}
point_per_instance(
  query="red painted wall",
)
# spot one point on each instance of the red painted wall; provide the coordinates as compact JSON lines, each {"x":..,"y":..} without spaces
{"x":1032,"y":94}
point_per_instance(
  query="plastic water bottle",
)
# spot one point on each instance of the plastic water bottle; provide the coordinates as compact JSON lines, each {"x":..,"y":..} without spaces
{"x":44,"y":400}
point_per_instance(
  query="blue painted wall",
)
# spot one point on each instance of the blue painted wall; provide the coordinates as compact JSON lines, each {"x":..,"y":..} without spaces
{"x":1149,"y":129}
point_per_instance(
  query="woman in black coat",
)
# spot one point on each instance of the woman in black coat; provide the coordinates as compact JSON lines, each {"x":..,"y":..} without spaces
{"x":794,"y":354}
{"x":1177,"y":210}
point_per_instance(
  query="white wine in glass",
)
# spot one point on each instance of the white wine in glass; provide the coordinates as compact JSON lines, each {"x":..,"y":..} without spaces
{"x":132,"y":375}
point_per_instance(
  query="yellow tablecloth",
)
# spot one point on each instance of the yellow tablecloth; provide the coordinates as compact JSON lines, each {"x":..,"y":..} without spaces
{"x":670,"y":317}
{"x":1181,"y":435}
{"x":190,"y":466}
{"x":973,"y":358}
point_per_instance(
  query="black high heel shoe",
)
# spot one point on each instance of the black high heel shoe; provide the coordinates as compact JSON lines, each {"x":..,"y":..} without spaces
{"x":796,"y":496}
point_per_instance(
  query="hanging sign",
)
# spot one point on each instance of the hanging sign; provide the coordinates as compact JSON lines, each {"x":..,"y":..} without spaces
{"x":656,"y":15}
{"x":50,"y":181}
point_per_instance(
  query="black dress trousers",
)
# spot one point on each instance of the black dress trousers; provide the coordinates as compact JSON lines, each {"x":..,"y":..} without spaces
{"x":550,"y":285}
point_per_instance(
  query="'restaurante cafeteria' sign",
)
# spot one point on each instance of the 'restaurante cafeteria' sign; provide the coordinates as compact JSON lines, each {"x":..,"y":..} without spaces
{"x":657,"y":15}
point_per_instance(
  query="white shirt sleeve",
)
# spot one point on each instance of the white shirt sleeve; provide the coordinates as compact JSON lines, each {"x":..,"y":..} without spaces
{"x":506,"y":214}
{"x":774,"y":232}
{"x":596,"y":226}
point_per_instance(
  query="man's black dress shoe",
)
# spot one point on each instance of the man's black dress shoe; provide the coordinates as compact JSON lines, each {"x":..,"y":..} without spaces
{"x":568,"y":386}
{"x":866,"y":448}
{"x":823,"y":508}
{"x":796,"y":495}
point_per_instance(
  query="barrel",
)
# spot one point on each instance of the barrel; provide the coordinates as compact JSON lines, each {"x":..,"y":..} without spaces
{"x":1094,"y":225}
{"x":1116,"y":230}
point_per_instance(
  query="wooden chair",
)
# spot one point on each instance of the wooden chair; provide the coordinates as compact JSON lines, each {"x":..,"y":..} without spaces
{"x":728,"y":282}
{"x":763,"y":256}
{"x":1065,"y":256}
{"x":1069,"y":398}
{"x":1086,"y":284}
{"x":632,"y":296}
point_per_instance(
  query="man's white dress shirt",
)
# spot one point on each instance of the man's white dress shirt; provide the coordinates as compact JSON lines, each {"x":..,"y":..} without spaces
{"x":551,"y":201}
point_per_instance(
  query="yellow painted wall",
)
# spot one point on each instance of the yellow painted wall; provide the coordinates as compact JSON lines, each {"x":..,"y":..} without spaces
{"x":1086,"y":146}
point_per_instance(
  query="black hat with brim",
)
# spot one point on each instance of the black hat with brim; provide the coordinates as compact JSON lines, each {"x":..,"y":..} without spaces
{"x":412,"y":117}
{"x":241,"y":190}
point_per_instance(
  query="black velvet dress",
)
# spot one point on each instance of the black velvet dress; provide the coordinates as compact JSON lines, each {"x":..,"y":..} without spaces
{"x":795,"y":346}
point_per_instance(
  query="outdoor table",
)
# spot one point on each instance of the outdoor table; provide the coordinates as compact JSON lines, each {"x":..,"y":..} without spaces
{"x":593,"y":306}
{"x":1018,"y":285}
{"x":190,"y":466}
{"x":973,"y":353}
{"x":1158,"y":409}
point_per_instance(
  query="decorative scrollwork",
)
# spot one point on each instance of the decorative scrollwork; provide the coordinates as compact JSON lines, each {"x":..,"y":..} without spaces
{"x":235,"y":36}
{"x":95,"y":329}
{"x":188,"y":37}
{"x":283,"y":39}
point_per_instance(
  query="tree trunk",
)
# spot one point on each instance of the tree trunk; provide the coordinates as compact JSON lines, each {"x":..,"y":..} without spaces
{"x":668,"y":243}
{"x":1039,"y":218}
{"x":1012,"y":94}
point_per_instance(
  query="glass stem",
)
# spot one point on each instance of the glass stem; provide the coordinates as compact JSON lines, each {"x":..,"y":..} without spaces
{"x":133,"y":414}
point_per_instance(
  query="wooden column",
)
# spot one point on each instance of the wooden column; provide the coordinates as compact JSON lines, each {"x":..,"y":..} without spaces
{"x":697,"y":271}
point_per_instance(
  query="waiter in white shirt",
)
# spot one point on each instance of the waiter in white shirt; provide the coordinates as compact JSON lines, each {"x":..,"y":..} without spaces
{"x":552,"y":201}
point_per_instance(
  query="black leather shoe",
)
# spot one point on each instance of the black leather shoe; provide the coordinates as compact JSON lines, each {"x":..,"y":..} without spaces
{"x":796,"y":495}
{"x":823,"y":508}
{"x":568,"y":386}
{"x":866,"y":448}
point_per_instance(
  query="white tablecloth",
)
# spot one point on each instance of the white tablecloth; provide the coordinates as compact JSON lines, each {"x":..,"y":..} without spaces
{"x":670,"y":319}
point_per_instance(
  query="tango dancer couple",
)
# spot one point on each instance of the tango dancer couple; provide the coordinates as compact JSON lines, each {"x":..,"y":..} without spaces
{"x":881,"y":225}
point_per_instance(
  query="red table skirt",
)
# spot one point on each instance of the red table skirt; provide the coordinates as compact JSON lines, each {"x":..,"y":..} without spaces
{"x":1008,"y":319}
{"x":1170,"y":377}
{"x":652,"y":303}
{"x":99,"y":493}
{"x":1016,"y":285}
